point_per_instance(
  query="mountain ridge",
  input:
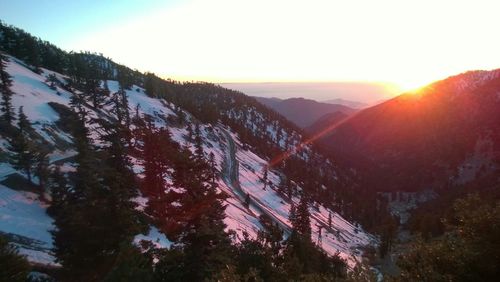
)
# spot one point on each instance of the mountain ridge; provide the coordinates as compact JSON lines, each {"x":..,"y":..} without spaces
{"x":303,"y":112}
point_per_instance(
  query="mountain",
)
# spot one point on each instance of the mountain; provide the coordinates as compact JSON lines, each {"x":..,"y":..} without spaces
{"x":303,"y":112}
{"x":325,"y":121}
{"x":80,"y":109}
{"x":445,"y":134}
{"x":347,"y":103}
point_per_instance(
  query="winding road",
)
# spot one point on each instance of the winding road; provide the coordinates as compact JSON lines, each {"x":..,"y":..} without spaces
{"x":231,"y":178}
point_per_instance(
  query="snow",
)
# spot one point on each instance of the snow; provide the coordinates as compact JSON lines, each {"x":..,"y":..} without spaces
{"x":22,"y":214}
{"x":154,"y":236}
{"x":33,"y":94}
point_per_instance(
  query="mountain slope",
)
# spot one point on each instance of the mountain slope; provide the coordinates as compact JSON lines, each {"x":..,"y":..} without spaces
{"x":303,"y":112}
{"x":325,"y":121}
{"x":41,"y":101}
{"x":347,"y":103}
{"x":442,"y":135}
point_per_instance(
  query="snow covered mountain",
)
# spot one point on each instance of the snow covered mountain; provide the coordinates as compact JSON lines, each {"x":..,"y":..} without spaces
{"x":241,"y":169}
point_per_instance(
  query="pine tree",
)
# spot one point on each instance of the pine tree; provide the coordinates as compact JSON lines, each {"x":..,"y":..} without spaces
{"x":42,"y":169}
{"x":58,"y":191}
{"x":207,"y":246}
{"x":24,"y":157}
{"x":303,"y":221}
{"x":14,"y":267}
{"x":119,"y":179}
{"x":156,"y":149}
{"x":198,"y":143}
{"x":213,"y":169}
{"x":77,"y":103}
{"x":95,"y":220}
{"x":52,"y":81}
{"x":6,"y":83}
{"x":149,"y":84}
{"x":264,"y":177}
{"x":23,"y":123}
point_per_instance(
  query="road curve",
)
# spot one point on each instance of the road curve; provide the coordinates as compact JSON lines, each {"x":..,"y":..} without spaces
{"x":230,"y":175}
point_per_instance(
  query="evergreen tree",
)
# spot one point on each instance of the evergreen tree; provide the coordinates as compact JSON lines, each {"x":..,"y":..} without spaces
{"x":42,"y":169}
{"x":468,"y":251}
{"x":255,"y":258}
{"x":213,"y":169}
{"x":58,"y":191}
{"x":77,"y":103}
{"x":24,"y":157}
{"x":198,"y":143}
{"x":52,"y":81}
{"x":14,"y":267}
{"x":156,"y":150}
{"x":95,"y":93}
{"x":207,"y":246}
{"x":264,"y":176}
{"x":131,"y":265}
{"x":23,"y":123}
{"x":119,"y":179}
{"x":6,"y":83}
{"x":302,"y":223}
{"x":170,"y":266}
{"x":96,"y":218}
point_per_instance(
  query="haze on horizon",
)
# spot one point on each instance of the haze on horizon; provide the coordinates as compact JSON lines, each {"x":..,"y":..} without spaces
{"x":398,"y":44}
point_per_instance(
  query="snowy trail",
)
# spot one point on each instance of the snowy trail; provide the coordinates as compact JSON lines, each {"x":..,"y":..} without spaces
{"x":231,"y":178}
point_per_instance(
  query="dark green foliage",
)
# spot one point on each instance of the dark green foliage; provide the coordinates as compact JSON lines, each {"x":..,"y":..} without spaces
{"x":13,"y":267}
{"x":131,"y":265}
{"x":301,"y":255}
{"x":387,"y":231}
{"x":156,"y":150}
{"x":58,"y":191}
{"x":67,"y":117}
{"x":24,"y":149}
{"x":5,"y":84}
{"x":95,"y":218}
{"x":469,"y":250}
{"x":42,"y":168}
{"x":300,"y":220}
{"x":171,"y":266}
{"x":207,"y":246}
{"x":256,"y":257}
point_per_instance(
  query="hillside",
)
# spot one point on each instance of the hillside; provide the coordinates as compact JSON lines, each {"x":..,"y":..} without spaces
{"x":443,"y":135}
{"x":324,"y":122}
{"x":347,"y":103}
{"x":237,"y":136}
{"x":303,"y":112}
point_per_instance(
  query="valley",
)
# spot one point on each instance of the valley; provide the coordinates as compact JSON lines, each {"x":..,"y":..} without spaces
{"x":108,"y":173}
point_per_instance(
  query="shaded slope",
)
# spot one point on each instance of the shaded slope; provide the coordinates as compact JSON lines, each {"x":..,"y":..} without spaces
{"x":428,"y":139}
{"x":303,"y":112}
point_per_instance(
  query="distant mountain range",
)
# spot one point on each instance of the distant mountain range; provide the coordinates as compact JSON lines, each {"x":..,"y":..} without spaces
{"x":304,"y":112}
{"x":347,"y":103}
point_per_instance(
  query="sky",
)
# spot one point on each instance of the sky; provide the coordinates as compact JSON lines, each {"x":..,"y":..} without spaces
{"x":403,"y":43}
